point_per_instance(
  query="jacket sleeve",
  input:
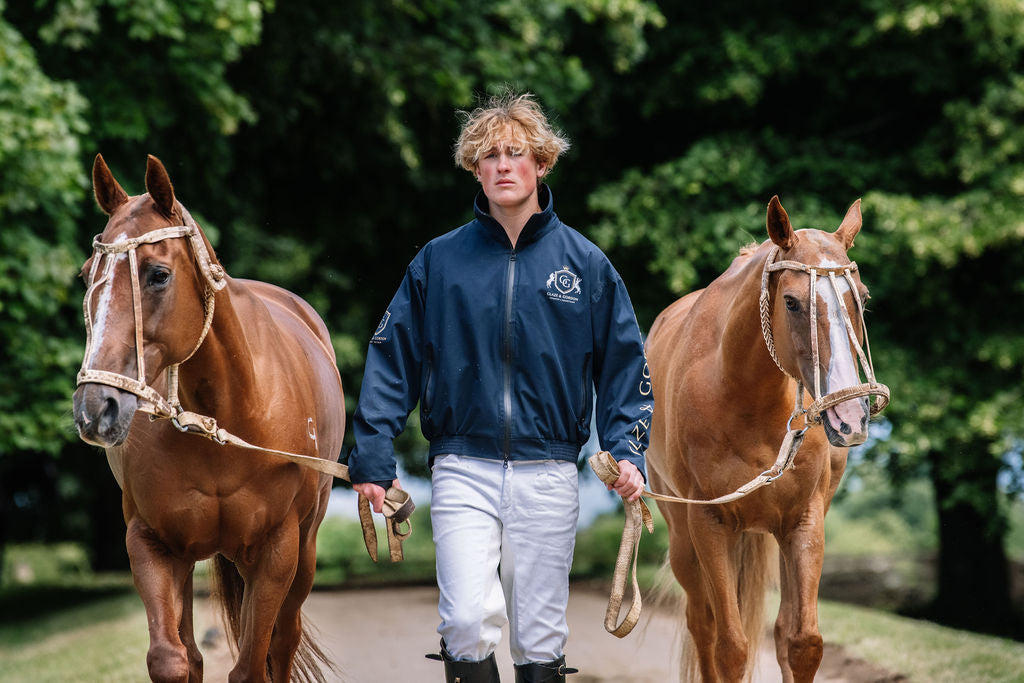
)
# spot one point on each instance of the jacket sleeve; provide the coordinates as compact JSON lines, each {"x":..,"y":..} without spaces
{"x":391,"y":382}
{"x":625,"y":399}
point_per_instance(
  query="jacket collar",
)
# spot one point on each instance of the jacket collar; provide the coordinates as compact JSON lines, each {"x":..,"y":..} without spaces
{"x":540,"y":223}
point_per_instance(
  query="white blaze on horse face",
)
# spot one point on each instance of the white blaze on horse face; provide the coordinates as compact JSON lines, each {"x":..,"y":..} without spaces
{"x":99,"y":324}
{"x":842,"y":367}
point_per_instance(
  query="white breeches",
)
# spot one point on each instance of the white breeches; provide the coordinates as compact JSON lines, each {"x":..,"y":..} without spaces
{"x":504,"y":540}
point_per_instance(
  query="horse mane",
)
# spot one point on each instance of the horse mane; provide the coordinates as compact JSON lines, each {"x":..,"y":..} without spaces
{"x":749,"y":248}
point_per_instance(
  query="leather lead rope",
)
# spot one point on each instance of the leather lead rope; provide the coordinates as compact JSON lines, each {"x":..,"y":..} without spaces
{"x":398,"y":505}
{"x":638,"y":515}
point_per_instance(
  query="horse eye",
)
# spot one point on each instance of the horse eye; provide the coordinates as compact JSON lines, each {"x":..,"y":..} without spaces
{"x":158,"y":278}
{"x":792,"y":305}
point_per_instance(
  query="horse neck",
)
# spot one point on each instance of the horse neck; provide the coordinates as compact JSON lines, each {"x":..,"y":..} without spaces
{"x":221,"y":375}
{"x":747,"y":367}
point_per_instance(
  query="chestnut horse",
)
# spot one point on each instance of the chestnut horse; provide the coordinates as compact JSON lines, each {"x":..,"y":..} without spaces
{"x":256,"y":358}
{"x":723,"y":360}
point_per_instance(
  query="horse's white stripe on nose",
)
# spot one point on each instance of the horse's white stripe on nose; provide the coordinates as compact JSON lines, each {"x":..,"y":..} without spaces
{"x":842,"y":367}
{"x":99,"y":325}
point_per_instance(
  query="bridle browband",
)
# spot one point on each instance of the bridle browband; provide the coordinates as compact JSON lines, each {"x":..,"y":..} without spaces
{"x":822,"y":403}
{"x":106,"y":254}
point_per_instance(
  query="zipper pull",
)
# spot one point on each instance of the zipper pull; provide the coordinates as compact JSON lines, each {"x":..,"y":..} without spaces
{"x":505,"y":464}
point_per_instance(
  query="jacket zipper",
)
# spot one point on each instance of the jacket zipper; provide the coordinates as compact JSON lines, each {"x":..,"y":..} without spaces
{"x":510,"y":284}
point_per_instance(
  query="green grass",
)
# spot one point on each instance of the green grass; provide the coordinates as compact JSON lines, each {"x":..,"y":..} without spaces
{"x":920,"y":650}
{"x":102,"y":638}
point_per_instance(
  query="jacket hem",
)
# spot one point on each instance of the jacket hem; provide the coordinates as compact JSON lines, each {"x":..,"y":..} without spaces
{"x":491,"y":448}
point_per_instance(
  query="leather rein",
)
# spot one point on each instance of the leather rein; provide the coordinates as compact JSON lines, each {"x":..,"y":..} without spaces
{"x":398,"y":506}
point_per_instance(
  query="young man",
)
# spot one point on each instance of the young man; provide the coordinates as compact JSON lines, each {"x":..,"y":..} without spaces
{"x":501,"y":329}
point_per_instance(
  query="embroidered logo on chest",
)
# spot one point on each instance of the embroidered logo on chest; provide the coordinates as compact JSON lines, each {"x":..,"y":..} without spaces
{"x":564,"y":285}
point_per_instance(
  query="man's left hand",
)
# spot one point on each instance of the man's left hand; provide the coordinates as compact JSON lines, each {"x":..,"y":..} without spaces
{"x":630,"y":483}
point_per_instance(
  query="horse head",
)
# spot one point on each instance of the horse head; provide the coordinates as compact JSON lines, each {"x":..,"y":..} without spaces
{"x":818,"y":342}
{"x":146,"y":302}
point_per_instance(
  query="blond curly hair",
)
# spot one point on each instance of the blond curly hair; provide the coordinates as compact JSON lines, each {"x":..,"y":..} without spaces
{"x":508,"y":120}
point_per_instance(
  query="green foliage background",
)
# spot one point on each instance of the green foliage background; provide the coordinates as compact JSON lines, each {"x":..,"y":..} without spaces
{"x":313,"y":142}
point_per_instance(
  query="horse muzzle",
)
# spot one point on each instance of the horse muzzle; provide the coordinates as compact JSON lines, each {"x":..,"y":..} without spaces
{"x":103,"y":414}
{"x":846,"y":424}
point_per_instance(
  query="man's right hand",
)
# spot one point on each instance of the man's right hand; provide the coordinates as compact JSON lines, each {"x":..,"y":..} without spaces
{"x":374,"y":492}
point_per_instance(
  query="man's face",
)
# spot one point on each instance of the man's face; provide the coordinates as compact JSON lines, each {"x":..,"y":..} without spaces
{"x":509,"y":177}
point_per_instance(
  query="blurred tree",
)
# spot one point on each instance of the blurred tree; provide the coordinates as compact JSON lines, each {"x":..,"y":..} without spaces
{"x":913,"y":106}
{"x":78,"y":76}
{"x":41,"y":181}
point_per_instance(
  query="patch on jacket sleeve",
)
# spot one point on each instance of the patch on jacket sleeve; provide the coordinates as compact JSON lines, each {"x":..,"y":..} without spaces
{"x":378,"y":334}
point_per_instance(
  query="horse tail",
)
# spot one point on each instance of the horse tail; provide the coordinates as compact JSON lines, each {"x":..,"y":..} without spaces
{"x":758,"y":571}
{"x":668,"y":594}
{"x":310,"y":661}
{"x":757,"y":566}
{"x":227,"y":587}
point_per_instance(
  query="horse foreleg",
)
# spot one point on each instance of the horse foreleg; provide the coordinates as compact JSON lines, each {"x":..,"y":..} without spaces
{"x":698,"y":655}
{"x":784,"y":622}
{"x":799,"y":646}
{"x":160,"y":580}
{"x":186,"y":631}
{"x":267,"y":580}
{"x":714,"y":545}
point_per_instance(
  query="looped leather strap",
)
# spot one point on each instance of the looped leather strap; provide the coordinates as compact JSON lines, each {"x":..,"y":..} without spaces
{"x":637,"y":514}
{"x":398,"y":507}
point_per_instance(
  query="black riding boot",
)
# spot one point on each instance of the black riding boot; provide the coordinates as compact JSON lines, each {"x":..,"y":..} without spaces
{"x":543,"y":672}
{"x":484,"y":671}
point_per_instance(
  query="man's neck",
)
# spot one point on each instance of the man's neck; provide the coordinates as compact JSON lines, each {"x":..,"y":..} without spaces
{"x":514,"y":219}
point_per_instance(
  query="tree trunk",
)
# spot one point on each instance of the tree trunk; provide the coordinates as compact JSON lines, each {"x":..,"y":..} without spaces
{"x":973,"y":571}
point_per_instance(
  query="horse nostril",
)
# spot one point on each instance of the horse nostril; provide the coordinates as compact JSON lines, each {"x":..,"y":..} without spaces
{"x":108,"y":416}
{"x":845,"y":429}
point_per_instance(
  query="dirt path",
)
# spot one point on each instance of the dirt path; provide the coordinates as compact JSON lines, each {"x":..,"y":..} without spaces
{"x":378,"y":635}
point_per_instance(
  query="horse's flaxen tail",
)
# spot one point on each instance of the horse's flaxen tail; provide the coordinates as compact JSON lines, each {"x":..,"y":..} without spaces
{"x":758,"y":559}
{"x":310,"y":661}
{"x":228,"y":588}
{"x":758,"y":569}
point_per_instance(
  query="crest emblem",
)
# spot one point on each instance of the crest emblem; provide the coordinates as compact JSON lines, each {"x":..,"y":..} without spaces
{"x":383,"y":323}
{"x":565,"y":281}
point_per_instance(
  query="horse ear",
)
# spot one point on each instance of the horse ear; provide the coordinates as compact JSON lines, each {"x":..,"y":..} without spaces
{"x":109,"y":193}
{"x":158,"y":184}
{"x":779,"y":228}
{"x":850,"y":226}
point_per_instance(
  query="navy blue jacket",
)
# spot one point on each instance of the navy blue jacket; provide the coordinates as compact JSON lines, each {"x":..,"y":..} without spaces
{"x":502,"y":348}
